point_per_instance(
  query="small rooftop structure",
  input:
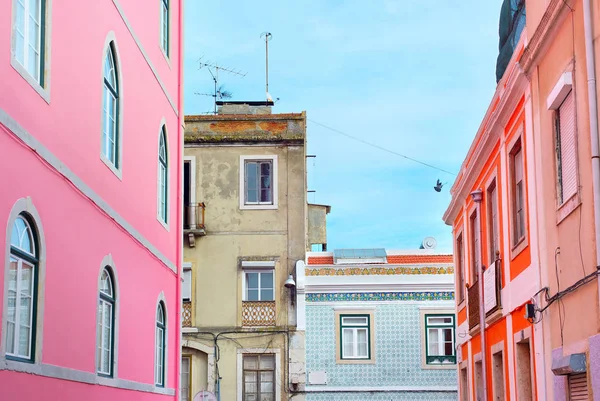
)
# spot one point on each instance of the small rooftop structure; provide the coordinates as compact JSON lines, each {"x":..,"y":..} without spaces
{"x":349,"y":256}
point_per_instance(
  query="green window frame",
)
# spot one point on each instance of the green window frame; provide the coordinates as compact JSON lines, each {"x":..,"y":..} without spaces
{"x":353,"y":344}
{"x":440,"y":347}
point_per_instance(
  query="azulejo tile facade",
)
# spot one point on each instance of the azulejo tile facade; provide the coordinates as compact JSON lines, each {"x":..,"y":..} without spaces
{"x":387,"y":396}
{"x":359,"y":271}
{"x":381,"y":296}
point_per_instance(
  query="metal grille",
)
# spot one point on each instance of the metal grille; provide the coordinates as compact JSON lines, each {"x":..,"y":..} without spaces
{"x":186,"y":319}
{"x":258,"y":313}
{"x":578,"y":388}
{"x":473,"y":295}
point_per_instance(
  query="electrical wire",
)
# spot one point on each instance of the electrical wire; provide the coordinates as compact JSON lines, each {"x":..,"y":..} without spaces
{"x":381,"y":147}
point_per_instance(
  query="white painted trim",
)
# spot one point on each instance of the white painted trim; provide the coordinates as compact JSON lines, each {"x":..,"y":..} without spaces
{"x":522,"y":288}
{"x":26,"y":205}
{"x":362,"y":389}
{"x":240,"y":369}
{"x":187,"y":265}
{"x":145,"y":55}
{"x":44,"y":153}
{"x":561,"y":89}
{"x":251,"y":264}
{"x":165,"y":224}
{"x":111,"y":41}
{"x":275,"y":183}
{"x":189,"y":330}
{"x":300,"y":296}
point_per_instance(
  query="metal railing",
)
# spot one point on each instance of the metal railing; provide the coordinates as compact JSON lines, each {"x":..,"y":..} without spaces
{"x":186,"y":318}
{"x":258,"y":313}
{"x":473,"y":300}
{"x":193,"y":216}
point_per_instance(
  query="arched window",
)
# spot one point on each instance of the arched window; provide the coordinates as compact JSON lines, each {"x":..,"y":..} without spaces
{"x":110,"y":104}
{"x":164,"y":26}
{"x":163,"y":165}
{"x":22,"y":290}
{"x":159,"y":360}
{"x":105,"y":324}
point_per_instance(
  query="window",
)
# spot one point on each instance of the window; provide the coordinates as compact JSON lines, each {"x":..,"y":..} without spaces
{"x":566,"y":149}
{"x":258,"y":182}
{"x":259,"y":286}
{"x":22,"y":291}
{"x":460,"y":271}
{"x":159,"y":368}
{"x":518,"y":193}
{"x":105,"y":324}
{"x":110,"y":115}
{"x":524,"y":384}
{"x":186,"y":366}
{"x":29,"y":37}
{"x":578,"y":386}
{"x":163,"y":178}
{"x":164,"y":26}
{"x":439,"y":337}
{"x":186,"y":286}
{"x":354,"y":336}
{"x":492,"y":209}
{"x":498,"y":375}
{"x":475,"y":247}
{"x":259,"y":378}
{"x":464,"y":385}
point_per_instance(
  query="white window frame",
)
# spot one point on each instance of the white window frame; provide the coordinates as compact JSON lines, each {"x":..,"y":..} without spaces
{"x":245,"y":284}
{"x":111,"y":303}
{"x":275,"y":186}
{"x":186,"y":286}
{"x":163,"y":188}
{"x":355,"y":328}
{"x":160,"y":352}
{"x":40,"y":84}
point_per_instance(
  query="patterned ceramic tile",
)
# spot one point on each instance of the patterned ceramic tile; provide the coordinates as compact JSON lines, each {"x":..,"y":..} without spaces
{"x":381,"y":296}
{"x":398,"y":350}
{"x":381,"y":397}
{"x":362,"y":271}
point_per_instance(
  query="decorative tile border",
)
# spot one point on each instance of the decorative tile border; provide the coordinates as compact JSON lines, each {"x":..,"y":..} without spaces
{"x":381,"y":296}
{"x":369,"y":271}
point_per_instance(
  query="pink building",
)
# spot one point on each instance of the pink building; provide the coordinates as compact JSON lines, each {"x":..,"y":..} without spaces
{"x":91,"y":149}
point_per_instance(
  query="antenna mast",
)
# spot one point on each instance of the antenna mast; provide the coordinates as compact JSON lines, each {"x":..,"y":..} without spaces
{"x":215,"y":76}
{"x":268,"y":37}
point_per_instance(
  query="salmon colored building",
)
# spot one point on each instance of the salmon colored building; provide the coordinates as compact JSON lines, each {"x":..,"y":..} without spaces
{"x":91,"y":155}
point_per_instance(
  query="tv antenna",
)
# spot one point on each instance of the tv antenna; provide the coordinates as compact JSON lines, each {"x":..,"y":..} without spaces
{"x":219,"y":91}
{"x":268,"y":38}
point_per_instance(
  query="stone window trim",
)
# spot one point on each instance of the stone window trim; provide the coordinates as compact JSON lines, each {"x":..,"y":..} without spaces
{"x":162,"y":302}
{"x":254,"y":351}
{"x":165,"y":29}
{"x":274,"y":182}
{"x":163,"y":134}
{"x":517,"y":142}
{"x":422,"y":315}
{"x":25,"y":206}
{"x":460,"y":268}
{"x":496,"y":349}
{"x":338,"y":313}
{"x":108,"y":262}
{"x":526,"y":336}
{"x":492,"y":184}
{"x":42,"y":88}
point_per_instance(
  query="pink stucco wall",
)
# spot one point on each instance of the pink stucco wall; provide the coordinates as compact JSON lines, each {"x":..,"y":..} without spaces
{"x":79,"y":234}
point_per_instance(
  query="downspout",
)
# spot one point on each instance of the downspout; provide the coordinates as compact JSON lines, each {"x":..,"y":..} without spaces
{"x":477,"y":196}
{"x":593,"y":110}
{"x":179,"y":231}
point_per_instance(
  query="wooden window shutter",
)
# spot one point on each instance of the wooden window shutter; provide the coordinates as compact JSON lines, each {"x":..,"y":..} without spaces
{"x":568,"y":149}
{"x":578,"y":388}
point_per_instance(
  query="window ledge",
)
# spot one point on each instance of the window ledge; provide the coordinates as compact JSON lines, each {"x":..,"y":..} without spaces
{"x":43,"y":92}
{"x":162,"y":223}
{"x":519,"y":247}
{"x":567,"y":207}
{"x":258,"y":207}
{"x":446,"y":366}
{"x":112,"y":167}
{"x":355,"y":361}
{"x":167,"y":59}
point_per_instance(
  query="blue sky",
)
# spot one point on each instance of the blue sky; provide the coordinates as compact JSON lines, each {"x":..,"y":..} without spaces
{"x":412,"y":76}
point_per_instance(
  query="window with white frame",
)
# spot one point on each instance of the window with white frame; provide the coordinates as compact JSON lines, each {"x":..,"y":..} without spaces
{"x":164,"y":26}
{"x":110,"y":114}
{"x":259,"y":377}
{"x":163,"y":177}
{"x":29,"y":37}
{"x":566,"y":149}
{"x":22,"y":294}
{"x":355,"y":336}
{"x":159,"y":359}
{"x":518,"y":192}
{"x":258,"y":182}
{"x":186,"y":286}
{"x":439,"y":339}
{"x":105,"y":324}
{"x":259,"y":285}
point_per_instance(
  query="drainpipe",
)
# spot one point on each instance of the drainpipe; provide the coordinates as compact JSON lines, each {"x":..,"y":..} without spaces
{"x":593,"y":110}
{"x":477,"y":196}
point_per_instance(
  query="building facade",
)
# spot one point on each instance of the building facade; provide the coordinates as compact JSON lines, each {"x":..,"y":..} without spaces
{"x":90,"y":137}
{"x":380,"y":325}
{"x":245,"y":187}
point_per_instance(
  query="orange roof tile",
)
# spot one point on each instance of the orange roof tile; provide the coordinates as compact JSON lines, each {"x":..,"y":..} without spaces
{"x":320,"y":260}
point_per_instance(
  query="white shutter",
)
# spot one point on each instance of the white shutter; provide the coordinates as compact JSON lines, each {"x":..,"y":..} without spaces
{"x":578,"y":388}
{"x":568,"y":147}
{"x":186,"y":286}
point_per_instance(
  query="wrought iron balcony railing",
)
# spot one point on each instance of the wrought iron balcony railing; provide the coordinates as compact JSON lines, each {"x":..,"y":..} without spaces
{"x":193,"y":216}
{"x":258,"y":313}
{"x":186,"y":318}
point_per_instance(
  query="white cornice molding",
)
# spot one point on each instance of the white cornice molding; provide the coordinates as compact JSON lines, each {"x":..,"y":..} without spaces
{"x":342,"y":288}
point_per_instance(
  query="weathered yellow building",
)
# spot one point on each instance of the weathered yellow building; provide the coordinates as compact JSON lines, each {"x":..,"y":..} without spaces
{"x":245,"y":228}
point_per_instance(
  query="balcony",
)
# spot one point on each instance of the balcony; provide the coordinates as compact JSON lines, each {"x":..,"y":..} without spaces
{"x":186,"y":318}
{"x":473,"y":300}
{"x":193,"y":222}
{"x":258,"y":313}
{"x":492,"y":283}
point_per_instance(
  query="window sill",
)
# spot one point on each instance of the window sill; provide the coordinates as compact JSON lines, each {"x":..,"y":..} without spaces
{"x":446,"y":366}
{"x":162,"y":223}
{"x":43,"y":92}
{"x":167,"y":59}
{"x":567,"y":207}
{"x":355,"y":362}
{"x":519,"y":247}
{"x":112,"y":167}
{"x":258,"y":207}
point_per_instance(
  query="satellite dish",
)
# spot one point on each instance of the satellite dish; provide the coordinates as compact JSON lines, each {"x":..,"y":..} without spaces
{"x":429,"y":243}
{"x":205,"y":396}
